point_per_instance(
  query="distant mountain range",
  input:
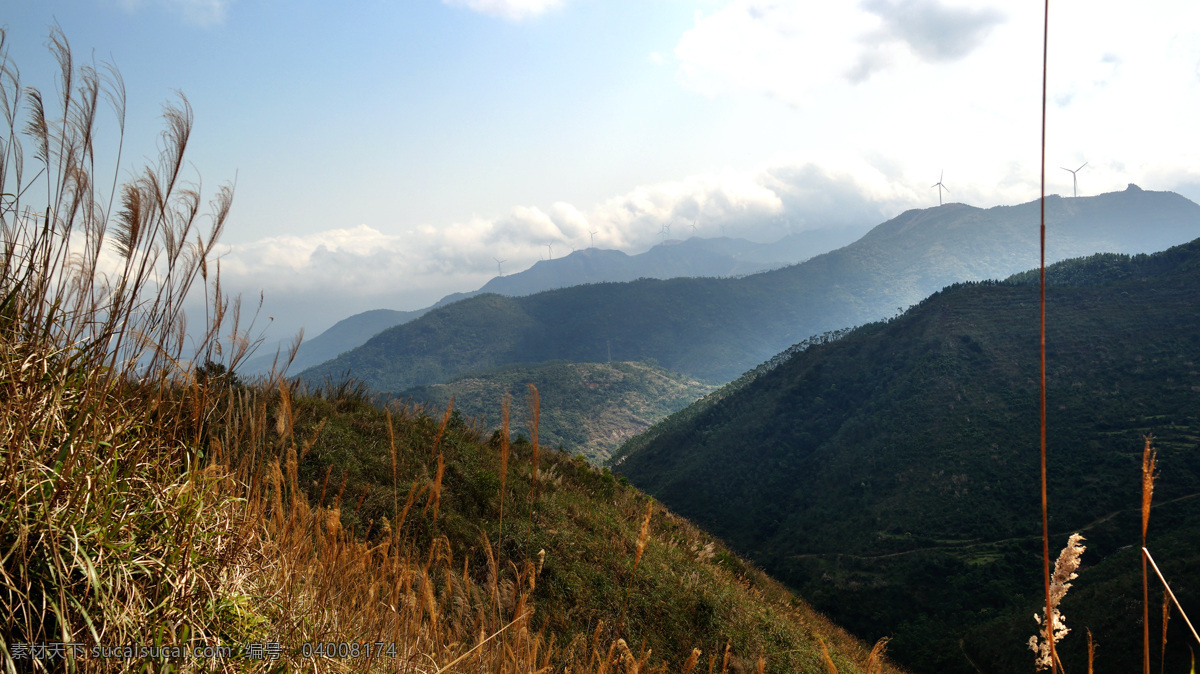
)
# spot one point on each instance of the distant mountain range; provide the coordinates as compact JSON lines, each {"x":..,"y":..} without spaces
{"x":891,"y":476}
{"x":694,"y":257}
{"x":716,"y":328}
{"x":341,"y":337}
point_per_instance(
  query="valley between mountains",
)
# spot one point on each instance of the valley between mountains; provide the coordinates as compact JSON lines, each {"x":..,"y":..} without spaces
{"x":822,"y":443}
{"x":885,"y":472}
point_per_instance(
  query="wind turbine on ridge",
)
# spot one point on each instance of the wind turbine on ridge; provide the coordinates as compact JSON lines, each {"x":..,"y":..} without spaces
{"x":940,"y":187}
{"x":593,"y":235}
{"x":498,"y":263}
{"x":1074,"y":179}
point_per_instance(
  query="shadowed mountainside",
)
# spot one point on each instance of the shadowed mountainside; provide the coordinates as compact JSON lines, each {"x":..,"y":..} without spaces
{"x":715,"y":329}
{"x":891,"y":476}
{"x":697,"y":257}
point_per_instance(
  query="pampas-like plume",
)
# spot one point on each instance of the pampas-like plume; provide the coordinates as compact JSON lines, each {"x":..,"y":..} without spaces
{"x":829,"y":666}
{"x":875,"y":659}
{"x":392,"y":448}
{"x":436,"y":492}
{"x":1149,"y":464}
{"x":1149,"y":455}
{"x":1060,"y":582}
{"x":690,"y":663}
{"x":643,"y":537}
{"x":631,"y":663}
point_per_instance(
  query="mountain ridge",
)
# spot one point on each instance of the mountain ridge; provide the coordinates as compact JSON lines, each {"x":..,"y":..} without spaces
{"x":715,"y":329}
{"x":694,"y":257}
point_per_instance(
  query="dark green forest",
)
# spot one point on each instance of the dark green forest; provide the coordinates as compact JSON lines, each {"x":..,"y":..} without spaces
{"x":891,"y":475}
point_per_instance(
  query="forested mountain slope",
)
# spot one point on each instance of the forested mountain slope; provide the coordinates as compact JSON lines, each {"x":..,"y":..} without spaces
{"x":715,"y":329}
{"x":696,"y":256}
{"x":587,"y":408}
{"x":892,"y":475}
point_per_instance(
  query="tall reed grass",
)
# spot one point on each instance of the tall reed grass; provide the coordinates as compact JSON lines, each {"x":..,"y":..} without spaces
{"x":147,"y":501}
{"x":110,"y":526}
{"x":148,"y":497}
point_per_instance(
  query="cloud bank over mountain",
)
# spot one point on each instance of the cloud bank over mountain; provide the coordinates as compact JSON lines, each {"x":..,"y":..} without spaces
{"x":338,"y":271}
{"x":434,"y":138}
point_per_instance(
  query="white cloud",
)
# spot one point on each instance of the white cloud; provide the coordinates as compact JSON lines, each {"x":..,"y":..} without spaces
{"x":781,"y":49}
{"x":931,"y":29}
{"x":200,"y":12}
{"x":861,"y":149}
{"x":791,"y":51}
{"x":316,"y":279}
{"x":634,"y":221}
{"x":508,"y":9}
{"x":962,"y":90}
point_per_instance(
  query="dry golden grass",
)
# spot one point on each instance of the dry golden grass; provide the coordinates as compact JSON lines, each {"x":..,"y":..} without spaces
{"x":830,"y":667}
{"x":151,"y":501}
{"x":325,"y":584}
{"x":876,"y":658}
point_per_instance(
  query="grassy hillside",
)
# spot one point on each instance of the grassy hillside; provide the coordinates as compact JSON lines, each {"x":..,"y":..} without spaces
{"x":295,"y":519}
{"x":149,"y":502}
{"x":715,"y":329}
{"x":687,"y":591}
{"x":891,"y":475}
{"x":588,"y":408}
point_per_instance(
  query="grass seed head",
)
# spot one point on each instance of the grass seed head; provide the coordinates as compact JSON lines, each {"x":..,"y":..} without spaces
{"x":1060,"y":581}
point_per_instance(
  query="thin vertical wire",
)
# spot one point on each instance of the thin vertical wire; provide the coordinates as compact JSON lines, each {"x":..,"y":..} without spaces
{"x":1049,"y":619}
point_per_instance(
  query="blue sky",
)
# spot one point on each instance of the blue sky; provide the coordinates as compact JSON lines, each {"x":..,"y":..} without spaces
{"x":386,"y":151}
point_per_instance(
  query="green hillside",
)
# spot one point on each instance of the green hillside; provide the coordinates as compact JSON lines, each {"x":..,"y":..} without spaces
{"x":587,"y":408}
{"x":715,"y":329}
{"x":164,"y":515}
{"x":578,"y":525}
{"x":892,"y":475}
